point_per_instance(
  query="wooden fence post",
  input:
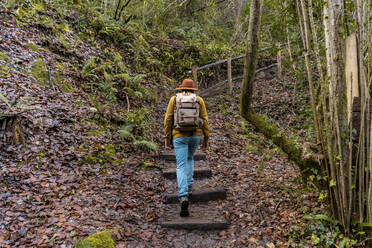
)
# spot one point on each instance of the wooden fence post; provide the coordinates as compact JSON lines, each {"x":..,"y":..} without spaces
{"x":279,"y":59}
{"x":195,"y":76}
{"x":229,"y":75}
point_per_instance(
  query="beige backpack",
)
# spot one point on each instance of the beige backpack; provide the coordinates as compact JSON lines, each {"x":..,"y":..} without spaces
{"x":186,"y":112}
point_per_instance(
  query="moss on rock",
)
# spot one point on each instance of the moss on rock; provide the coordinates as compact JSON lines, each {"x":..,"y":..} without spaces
{"x":97,"y":240}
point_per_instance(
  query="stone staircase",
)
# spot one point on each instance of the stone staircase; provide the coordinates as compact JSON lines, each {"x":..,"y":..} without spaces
{"x":204,"y":208}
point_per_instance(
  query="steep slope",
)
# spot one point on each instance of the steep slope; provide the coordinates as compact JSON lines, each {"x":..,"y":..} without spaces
{"x":63,"y":166}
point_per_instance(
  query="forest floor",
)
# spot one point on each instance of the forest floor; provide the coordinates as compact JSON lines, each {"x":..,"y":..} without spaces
{"x":50,"y":196}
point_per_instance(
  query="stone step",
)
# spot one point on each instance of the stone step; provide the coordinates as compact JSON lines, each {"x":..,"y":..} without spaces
{"x":199,"y":196}
{"x":170,"y":156}
{"x":203,"y":216}
{"x":192,"y":223}
{"x":199,"y":172}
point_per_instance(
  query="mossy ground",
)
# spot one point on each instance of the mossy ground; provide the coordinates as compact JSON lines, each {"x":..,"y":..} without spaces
{"x":97,"y":240}
{"x":40,"y":73}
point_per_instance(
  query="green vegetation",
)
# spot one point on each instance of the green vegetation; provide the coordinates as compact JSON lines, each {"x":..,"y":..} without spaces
{"x":97,"y":240}
{"x":4,"y":99}
{"x":125,"y":132}
{"x":40,"y":72}
{"x":4,"y":70}
{"x":4,"y":57}
{"x":105,"y":154}
{"x":159,"y":44}
{"x":33,"y":47}
{"x":166,"y":45}
{"x":146,"y":145}
{"x":322,"y":230}
{"x":4,"y":64}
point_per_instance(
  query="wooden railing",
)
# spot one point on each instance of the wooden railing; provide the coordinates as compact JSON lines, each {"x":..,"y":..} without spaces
{"x":230,"y":79}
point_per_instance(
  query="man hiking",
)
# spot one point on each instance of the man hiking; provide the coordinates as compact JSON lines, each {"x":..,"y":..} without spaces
{"x":185,"y":121}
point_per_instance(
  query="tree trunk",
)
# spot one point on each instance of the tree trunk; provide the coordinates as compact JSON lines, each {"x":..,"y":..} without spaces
{"x":338,"y":101}
{"x":293,"y":67}
{"x":300,"y":23}
{"x":323,"y":141}
{"x":309,"y":72}
{"x":307,"y":165}
{"x":362,"y":146}
{"x":250,"y":62}
{"x":327,"y":40}
{"x":329,"y":120}
{"x":316,"y":43}
{"x":370,"y":44}
{"x":369,"y":79}
{"x":238,"y":11}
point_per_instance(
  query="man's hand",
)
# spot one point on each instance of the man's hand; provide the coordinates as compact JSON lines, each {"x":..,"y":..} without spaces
{"x":167,"y":144}
{"x":205,"y":145}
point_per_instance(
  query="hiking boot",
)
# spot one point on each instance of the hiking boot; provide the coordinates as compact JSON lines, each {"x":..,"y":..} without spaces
{"x":184,"y":206}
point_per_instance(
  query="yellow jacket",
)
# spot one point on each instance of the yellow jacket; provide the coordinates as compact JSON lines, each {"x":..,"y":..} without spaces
{"x":176,"y":133}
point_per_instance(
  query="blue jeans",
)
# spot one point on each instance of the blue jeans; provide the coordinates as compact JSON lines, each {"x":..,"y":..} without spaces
{"x":184,"y":148}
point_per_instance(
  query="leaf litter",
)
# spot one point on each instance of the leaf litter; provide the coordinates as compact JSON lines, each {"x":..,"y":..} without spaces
{"x":49,"y":196}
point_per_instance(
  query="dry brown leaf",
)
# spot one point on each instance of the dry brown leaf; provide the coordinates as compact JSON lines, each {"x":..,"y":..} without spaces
{"x":270,"y":245}
{"x":252,"y":240}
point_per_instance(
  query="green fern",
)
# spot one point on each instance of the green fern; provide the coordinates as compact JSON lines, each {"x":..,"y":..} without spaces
{"x":148,"y":94}
{"x":88,"y":69}
{"x":123,"y":76}
{"x":130,"y":91}
{"x":106,"y":66}
{"x":146,"y":145}
{"x":125,"y":132}
{"x":108,"y":77}
{"x":113,"y":31}
{"x":138,"y":94}
{"x":137,"y":79}
{"x":100,"y":106}
{"x":138,"y":117}
{"x":118,"y":60}
{"x":108,"y":89}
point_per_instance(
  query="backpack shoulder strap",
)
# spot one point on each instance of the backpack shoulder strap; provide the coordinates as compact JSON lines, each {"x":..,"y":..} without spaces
{"x":197,"y":98}
{"x":174,"y":102}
